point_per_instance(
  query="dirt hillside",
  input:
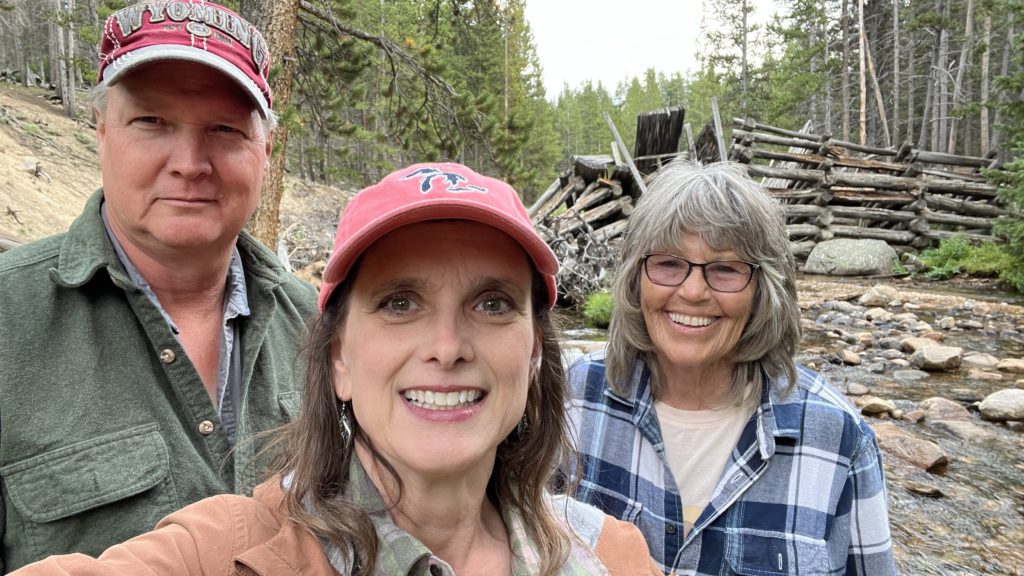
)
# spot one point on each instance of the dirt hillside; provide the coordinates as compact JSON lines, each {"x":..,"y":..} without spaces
{"x":49,"y":167}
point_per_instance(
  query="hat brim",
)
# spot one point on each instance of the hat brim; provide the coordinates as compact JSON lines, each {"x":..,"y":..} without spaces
{"x":159,"y":52}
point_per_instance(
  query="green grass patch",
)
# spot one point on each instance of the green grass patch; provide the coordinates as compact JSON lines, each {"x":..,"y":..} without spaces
{"x":956,"y":255}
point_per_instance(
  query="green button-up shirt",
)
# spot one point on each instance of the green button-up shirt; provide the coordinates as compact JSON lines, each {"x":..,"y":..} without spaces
{"x":105,"y":425}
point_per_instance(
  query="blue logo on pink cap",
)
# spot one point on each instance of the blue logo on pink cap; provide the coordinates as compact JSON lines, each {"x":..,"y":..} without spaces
{"x":453,"y":181}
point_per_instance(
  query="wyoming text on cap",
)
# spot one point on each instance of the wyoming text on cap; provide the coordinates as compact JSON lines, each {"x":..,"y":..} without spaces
{"x":194,"y":31}
{"x":435,"y":191}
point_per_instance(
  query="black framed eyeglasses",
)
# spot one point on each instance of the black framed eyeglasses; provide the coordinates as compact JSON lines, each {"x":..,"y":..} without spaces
{"x":720,"y":275}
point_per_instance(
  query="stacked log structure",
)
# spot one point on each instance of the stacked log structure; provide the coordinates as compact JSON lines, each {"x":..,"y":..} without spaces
{"x":582,"y":216}
{"x":830,"y":188}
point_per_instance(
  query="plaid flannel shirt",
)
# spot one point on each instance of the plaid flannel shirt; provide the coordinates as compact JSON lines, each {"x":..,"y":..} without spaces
{"x":803,"y":491}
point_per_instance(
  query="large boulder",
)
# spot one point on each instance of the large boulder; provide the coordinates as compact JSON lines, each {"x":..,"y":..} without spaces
{"x":1006,"y":404}
{"x":851,"y":257}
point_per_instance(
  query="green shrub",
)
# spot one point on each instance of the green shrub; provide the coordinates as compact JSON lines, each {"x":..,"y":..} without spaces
{"x":598,"y":310}
{"x":957,"y":255}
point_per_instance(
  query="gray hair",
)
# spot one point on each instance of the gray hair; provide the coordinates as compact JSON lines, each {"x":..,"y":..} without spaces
{"x":729,"y":211}
{"x":97,"y":99}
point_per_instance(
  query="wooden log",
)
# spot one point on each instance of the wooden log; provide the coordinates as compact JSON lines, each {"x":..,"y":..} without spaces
{"x":749,"y":125}
{"x":961,"y":187}
{"x":613,"y":185}
{"x":552,"y":189}
{"x":574,"y":222}
{"x":867,"y":180}
{"x":859,"y":148}
{"x":592,"y":196}
{"x":803,"y":210}
{"x":937,"y":202}
{"x":785,"y":195}
{"x":929,"y":157}
{"x":591,"y":168}
{"x":873,"y":214}
{"x":940,"y":235}
{"x":802,"y":249}
{"x":860,"y":196}
{"x":606,"y":233}
{"x":749,"y":137}
{"x":802,"y":175}
{"x":951,"y":175}
{"x":957,"y":220}
{"x":892,"y":236}
{"x":802,"y":231}
{"x":559,"y":199}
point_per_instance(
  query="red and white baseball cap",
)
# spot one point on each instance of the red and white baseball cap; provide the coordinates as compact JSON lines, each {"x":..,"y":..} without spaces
{"x":189,"y":30}
{"x":424,"y":192}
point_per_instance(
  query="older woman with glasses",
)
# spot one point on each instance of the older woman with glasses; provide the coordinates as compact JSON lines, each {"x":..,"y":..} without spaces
{"x":696,"y":424}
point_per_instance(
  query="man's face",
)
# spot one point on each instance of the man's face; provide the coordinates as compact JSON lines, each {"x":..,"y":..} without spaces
{"x":183,"y":156}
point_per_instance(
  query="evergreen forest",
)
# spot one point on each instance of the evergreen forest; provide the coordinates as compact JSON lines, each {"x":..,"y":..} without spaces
{"x":364,"y":85}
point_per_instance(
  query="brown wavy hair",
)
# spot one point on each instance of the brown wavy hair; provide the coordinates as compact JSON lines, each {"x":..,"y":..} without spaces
{"x":317,"y":459}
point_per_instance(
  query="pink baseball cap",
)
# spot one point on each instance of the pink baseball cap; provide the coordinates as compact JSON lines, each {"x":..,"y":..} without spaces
{"x":423,"y":192}
{"x":189,"y":30}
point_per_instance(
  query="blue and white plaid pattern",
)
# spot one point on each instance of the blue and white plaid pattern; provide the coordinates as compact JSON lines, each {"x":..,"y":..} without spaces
{"x":803,"y":491}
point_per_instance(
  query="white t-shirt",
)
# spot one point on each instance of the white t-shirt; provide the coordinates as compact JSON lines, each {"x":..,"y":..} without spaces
{"x":698,"y":444}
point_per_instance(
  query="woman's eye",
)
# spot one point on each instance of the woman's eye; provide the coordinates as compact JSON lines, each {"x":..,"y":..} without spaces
{"x":495,"y":305}
{"x":399,"y":304}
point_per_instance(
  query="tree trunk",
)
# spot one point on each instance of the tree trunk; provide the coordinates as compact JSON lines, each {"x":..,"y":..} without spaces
{"x":879,"y":104}
{"x":68,"y":96}
{"x":743,"y":61}
{"x":985,"y":62}
{"x":277,"y":19}
{"x":910,"y":88}
{"x":845,"y":23}
{"x":863,"y":75}
{"x":958,"y":85}
{"x":1004,"y":70}
{"x":895,"y":71}
{"x":942,"y":113}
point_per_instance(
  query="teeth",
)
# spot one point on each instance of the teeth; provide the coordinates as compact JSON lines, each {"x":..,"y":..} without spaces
{"x":441,"y":400}
{"x":696,"y":321}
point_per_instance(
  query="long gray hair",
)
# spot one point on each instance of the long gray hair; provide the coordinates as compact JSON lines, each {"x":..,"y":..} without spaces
{"x":723,"y":205}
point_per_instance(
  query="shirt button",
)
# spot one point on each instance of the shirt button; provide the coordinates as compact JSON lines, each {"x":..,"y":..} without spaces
{"x":670,"y":528}
{"x":206,"y":427}
{"x":167,"y":356}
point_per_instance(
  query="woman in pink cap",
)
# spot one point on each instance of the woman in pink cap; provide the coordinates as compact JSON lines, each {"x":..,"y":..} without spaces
{"x":432,"y":415}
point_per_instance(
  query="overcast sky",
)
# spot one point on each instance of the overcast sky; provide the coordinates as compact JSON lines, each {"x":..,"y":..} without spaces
{"x":611,"y":41}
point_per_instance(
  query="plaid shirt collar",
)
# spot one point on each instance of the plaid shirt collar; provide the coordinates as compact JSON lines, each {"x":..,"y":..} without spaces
{"x":776,"y":415}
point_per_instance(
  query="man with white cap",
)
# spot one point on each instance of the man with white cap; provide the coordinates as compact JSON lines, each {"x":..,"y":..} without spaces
{"x":141,"y":348}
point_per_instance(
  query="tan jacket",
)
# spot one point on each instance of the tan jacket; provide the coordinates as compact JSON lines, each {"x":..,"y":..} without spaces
{"x":229,"y":535}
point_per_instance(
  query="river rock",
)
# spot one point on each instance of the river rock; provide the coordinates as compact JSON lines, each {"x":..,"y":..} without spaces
{"x":890,"y":343}
{"x":937,"y":408}
{"x":979,"y":374}
{"x":908,"y":446}
{"x":848,"y":357}
{"x":1006,"y":404}
{"x":964,"y":430}
{"x":891,"y":354}
{"x":878,"y":315}
{"x":937,"y":358}
{"x":1013,"y":365}
{"x":923,"y":489}
{"x":908,"y":375}
{"x":874,"y":406}
{"x":914,"y":343}
{"x":878,"y":295}
{"x":971,"y":325}
{"x":980,"y":360}
{"x":947,"y":323}
{"x":856,"y":389}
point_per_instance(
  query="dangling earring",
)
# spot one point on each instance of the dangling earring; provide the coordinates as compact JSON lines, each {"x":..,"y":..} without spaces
{"x":346,"y":424}
{"x":522,"y":428}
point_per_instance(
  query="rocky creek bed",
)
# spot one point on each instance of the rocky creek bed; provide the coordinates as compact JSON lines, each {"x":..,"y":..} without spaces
{"x":939,"y":375}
